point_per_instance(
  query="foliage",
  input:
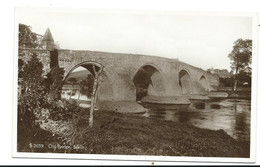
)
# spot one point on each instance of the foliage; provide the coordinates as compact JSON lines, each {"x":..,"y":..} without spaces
{"x":32,"y":87}
{"x":241,"y":55}
{"x":72,"y":80}
{"x":241,"y":58}
{"x":33,"y":101}
{"x":20,"y":68}
{"x":226,"y":82}
{"x":244,"y":79}
{"x":86,"y":85}
{"x":27,"y":38}
{"x":33,"y":71}
{"x":54,"y":82}
{"x":209,"y":70}
{"x":64,"y":112}
{"x":32,"y":98}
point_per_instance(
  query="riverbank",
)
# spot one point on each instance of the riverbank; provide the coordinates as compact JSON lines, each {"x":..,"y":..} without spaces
{"x":240,"y":93}
{"x":133,"y":134}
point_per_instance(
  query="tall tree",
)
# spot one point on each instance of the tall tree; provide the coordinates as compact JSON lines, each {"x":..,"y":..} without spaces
{"x":33,"y":73}
{"x":27,"y":38}
{"x":54,"y":82}
{"x":20,"y":67}
{"x":241,"y":57}
{"x":31,"y":100}
{"x":33,"y":96}
{"x":99,"y":77}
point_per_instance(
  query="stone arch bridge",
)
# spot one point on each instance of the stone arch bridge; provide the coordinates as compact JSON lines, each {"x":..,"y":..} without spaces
{"x":132,"y":77}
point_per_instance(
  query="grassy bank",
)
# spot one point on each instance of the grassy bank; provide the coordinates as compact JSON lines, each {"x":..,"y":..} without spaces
{"x":240,"y":93}
{"x":130,"y":134}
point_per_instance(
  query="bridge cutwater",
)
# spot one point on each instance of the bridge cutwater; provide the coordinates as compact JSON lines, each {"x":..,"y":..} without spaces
{"x":131,"y":77}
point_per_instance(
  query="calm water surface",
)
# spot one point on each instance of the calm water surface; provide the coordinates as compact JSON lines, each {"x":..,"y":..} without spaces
{"x":233,"y":116}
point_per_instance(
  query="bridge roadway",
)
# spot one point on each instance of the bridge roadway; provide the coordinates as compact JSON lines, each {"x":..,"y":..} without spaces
{"x":132,"y":77}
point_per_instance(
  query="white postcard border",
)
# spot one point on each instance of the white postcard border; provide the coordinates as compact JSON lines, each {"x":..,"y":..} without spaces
{"x":253,"y":140}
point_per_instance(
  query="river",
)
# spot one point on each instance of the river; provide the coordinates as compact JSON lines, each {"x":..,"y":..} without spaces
{"x":231,"y":115}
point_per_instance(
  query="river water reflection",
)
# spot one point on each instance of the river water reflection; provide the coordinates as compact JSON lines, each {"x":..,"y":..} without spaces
{"x":233,"y":116}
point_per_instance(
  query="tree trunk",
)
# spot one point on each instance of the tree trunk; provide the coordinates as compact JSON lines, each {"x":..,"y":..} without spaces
{"x":92,"y":104}
{"x":94,"y":94}
{"x":78,"y":97}
{"x":235,"y":85}
{"x":70,"y":95}
{"x":95,"y":99}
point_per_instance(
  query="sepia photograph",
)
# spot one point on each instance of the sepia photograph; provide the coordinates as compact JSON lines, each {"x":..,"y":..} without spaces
{"x":135,"y":85}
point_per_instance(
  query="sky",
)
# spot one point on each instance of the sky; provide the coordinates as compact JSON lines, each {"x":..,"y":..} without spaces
{"x":200,"y":39}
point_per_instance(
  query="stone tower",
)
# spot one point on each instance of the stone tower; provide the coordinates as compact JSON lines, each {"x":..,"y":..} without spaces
{"x":48,"y":44}
{"x":47,"y":40}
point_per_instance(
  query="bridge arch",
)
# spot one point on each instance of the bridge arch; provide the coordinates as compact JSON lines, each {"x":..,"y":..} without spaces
{"x":204,"y":83}
{"x":185,"y":81}
{"x":148,"y":80}
{"x":105,"y":91}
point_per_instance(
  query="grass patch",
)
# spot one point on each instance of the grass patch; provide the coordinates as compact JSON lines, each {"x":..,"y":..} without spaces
{"x":132,"y":134}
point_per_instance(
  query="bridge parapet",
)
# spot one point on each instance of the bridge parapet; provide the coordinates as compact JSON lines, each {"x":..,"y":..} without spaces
{"x":166,"y":77}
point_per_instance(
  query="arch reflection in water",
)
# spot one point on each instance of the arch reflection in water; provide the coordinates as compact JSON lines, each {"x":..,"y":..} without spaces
{"x":199,"y":105}
{"x":215,"y":106}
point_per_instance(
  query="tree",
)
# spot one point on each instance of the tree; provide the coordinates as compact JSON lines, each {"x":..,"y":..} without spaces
{"x":226,"y":82}
{"x":241,"y":57}
{"x":33,"y":92}
{"x":54,"y":82}
{"x":72,"y":81}
{"x":32,"y":73}
{"x":20,"y":67}
{"x":27,"y":38}
{"x":244,"y":79}
{"x":96,"y":84}
{"x":33,"y":97}
{"x":86,"y":85}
